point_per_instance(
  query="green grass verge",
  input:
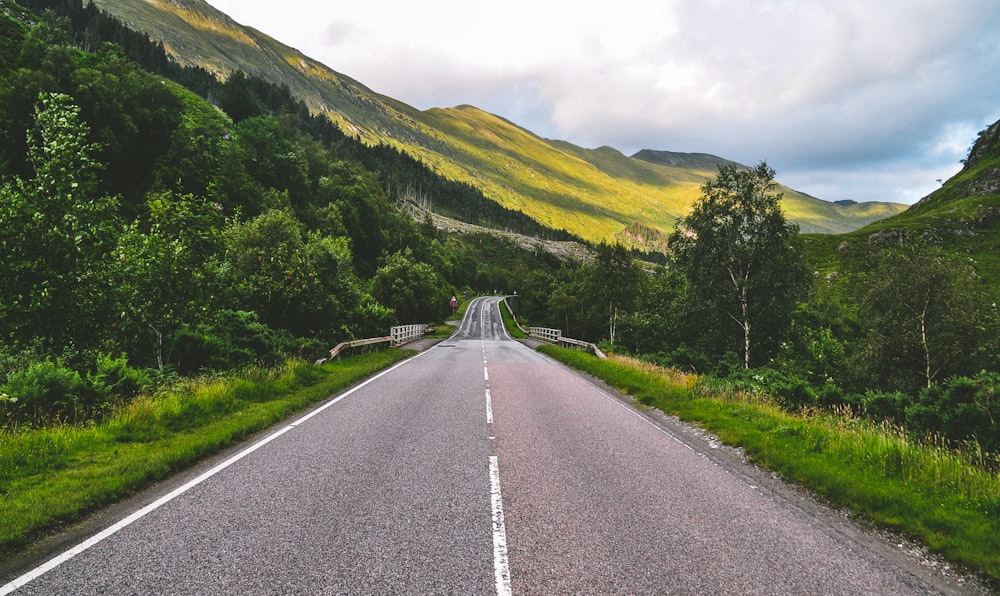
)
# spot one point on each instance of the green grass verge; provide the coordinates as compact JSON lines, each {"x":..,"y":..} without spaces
{"x":53,"y":476}
{"x":509,"y":323}
{"x":944,"y":497}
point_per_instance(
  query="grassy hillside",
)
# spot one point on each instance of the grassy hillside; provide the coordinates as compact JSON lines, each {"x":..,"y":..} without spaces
{"x":595,"y":194}
{"x":963,"y":216}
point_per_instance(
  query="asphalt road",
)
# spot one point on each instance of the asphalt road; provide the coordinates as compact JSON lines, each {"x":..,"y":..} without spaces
{"x":478,"y":467}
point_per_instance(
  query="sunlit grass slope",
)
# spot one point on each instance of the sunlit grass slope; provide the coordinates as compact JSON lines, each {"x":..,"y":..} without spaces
{"x":595,"y":193}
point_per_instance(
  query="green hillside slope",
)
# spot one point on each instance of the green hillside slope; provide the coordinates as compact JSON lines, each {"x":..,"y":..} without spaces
{"x":595,"y":193}
{"x":963,"y":216}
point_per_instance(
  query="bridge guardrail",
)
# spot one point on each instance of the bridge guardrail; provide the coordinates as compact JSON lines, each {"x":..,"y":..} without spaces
{"x":545,"y":334}
{"x":346,"y":346}
{"x":398,"y":336}
{"x":555,"y":336}
{"x":403,"y":333}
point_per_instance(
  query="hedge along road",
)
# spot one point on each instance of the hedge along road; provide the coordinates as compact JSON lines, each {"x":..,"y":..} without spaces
{"x":479,"y":467}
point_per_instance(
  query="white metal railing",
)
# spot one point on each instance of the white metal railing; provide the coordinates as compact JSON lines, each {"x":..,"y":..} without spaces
{"x":404,"y":333}
{"x":544,"y":333}
{"x":398,"y":336}
{"x":345,"y":346}
{"x":567,"y":342}
{"x":555,"y":336}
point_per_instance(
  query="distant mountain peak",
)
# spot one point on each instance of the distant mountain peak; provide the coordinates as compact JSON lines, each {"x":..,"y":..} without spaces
{"x":697,"y":161}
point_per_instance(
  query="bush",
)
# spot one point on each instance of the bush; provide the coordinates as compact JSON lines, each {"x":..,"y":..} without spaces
{"x":235,"y":339}
{"x":193,"y":350}
{"x":830,"y":395}
{"x":47,"y":389}
{"x":880,"y":405}
{"x":792,"y":392}
{"x":961,"y":408}
{"x":688,"y":359}
{"x":114,"y":378}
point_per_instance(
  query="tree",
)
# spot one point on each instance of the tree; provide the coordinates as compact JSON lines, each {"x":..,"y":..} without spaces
{"x":236,"y":98}
{"x":166,"y":271}
{"x":614,"y":280}
{"x":295,"y":280}
{"x":742,"y":260}
{"x":57,"y":233}
{"x":926,"y":314}
{"x":413,"y":289}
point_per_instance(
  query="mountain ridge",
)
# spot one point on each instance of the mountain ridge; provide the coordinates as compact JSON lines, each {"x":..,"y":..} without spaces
{"x":595,"y":193}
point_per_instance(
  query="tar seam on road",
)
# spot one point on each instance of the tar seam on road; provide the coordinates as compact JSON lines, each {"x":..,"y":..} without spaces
{"x":107,"y":532}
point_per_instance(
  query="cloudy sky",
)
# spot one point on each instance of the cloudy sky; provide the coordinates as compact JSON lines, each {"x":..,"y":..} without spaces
{"x":846,"y":99}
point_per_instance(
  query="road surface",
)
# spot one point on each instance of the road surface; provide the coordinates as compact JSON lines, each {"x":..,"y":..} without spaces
{"x":477,"y":467}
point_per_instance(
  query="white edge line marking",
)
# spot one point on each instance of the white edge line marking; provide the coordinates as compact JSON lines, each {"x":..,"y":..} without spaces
{"x":625,"y":407}
{"x":83,"y":546}
{"x":501,"y":565}
{"x":111,"y":530}
{"x":646,"y":420}
{"x":486,"y":374}
{"x":489,"y":407}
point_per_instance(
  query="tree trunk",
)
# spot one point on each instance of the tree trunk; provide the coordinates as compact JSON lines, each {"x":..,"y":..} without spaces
{"x":923,"y":341}
{"x":159,"y":345}
{"x":612,"y":321}
{"x":746,"y":337}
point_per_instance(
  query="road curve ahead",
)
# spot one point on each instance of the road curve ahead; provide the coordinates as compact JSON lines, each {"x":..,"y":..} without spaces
{"x":477,"y":467}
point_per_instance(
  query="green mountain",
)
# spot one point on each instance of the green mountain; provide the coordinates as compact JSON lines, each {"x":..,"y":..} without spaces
{"x":963,"y":216}
{"x":598,"y":194}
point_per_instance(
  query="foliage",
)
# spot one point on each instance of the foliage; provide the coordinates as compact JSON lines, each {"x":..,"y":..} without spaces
{"x":960,"y":409}
{"x":742,"y":262}
{"x":48,"y":390}
{"x":115,"y":379}
{"x":614,"y":280}
{"x":165,"y":272}
{"x":412,"y":289}
{"x":58,"y":232}
{"x":923,"y":312}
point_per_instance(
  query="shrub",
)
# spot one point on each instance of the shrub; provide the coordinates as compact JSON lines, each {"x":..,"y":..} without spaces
{"x":792,"y":392}
{"x":114,"y":378}
{"x":48,"y":389}
{"x":193,"y":350}
{"x":688,"y":359}
{"x":234,"y":339}
{"x":961,"y":408}
{"x":880,"y":405}
{"x":830,"y":394}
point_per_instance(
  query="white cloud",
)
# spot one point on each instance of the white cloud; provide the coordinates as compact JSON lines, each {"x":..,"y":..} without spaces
{"x":865,"y":99}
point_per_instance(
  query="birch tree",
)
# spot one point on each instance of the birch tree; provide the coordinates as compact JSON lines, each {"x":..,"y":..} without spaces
{"x":927,"y":316}
{"x":741,"y":258}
